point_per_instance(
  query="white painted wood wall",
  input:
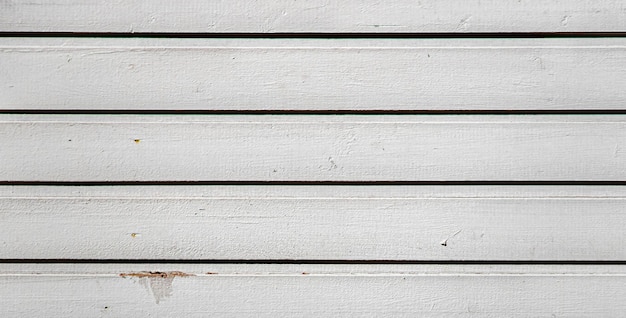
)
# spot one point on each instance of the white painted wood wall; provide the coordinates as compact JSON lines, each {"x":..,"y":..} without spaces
{"x":348,"y":158}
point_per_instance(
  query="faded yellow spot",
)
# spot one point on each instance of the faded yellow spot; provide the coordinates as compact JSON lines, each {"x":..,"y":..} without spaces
{"x":134,"y":235}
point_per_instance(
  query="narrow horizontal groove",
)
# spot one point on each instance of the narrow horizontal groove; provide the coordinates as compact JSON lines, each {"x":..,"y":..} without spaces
{"x":313,"y":112}
{"x":319,"y":35}
{"x":310,"y":261}
{"x":309,"y":183}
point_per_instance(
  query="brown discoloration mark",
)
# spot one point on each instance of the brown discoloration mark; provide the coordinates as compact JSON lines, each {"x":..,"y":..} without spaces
{"x":137,"y":141}
{"x":158,"y":283}
{"x":156,"y":274}
{"x":211,"y":273}
{"x":305,"y":273}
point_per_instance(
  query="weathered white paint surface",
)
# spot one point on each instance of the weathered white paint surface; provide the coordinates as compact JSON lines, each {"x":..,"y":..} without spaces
{"x":314,"y":222}
{"x":514,"y":223}
{"x":312,"y":291}
{"x":305,"y":148}
{"x":299,"y":74}
{"x":313,"y":16}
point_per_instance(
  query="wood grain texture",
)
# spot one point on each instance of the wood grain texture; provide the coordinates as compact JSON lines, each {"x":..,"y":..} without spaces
{"x":313,"y":222}
{"x":311,"y":148}
{"x":311,"y":291}
{"x":300,"y":74}
{"x":269,"y":16}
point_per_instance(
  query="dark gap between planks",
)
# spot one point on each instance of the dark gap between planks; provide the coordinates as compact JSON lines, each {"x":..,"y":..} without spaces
{"x":310,"y":261}
{"x":319,"y":35}
{"x":312,"y":112}
{"x":313,"y":183}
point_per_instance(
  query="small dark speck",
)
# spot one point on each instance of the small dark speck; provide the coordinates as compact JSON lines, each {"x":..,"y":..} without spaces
{"x":428,"y":55}
{"x":106,"y":307}
{"x":444,"y":243}
{"x":201,"y":209}
{"x":305,"y":273}
{"x":137,"y":141}
{"x":69,"y":140}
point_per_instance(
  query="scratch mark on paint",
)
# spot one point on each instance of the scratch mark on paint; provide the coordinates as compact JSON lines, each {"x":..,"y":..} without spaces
{"x":539,"y":62}
{"x":445,"y":242}
{"x":385,"y":25}
{"x":159,"y":284}
{"x":464,"y":24}
{"x":105,"y":52}
{"x":322,"y":6}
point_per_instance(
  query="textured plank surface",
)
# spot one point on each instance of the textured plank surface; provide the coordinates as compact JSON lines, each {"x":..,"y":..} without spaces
{"x":299,"y":74}
{"x":313,"y":16}
{"x":314,"y":222}
{"x":428,"y":223}
{"x":312,"y":291}
{"x":311,"y":148}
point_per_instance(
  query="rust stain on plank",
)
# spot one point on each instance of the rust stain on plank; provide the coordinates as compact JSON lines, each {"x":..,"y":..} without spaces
{"x":159,"y":284}
{"x":156,"y":274}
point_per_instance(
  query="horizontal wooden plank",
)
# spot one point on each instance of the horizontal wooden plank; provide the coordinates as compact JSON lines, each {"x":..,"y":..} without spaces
{"x":311,"y":148}
{"x":314,"y":16}
{"x":311,"y":291}
{"x":314,"y":222}
{"x":300,"y":74}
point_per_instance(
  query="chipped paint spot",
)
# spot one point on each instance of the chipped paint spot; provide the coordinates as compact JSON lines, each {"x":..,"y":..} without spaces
{"x":105,"y":309}
{"x":332,"y":163}
{"x":159,"y":284}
